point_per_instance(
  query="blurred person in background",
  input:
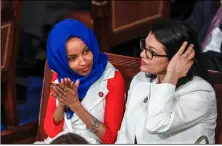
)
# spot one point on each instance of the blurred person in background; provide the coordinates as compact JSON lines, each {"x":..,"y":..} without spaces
{"x":206,"y":20}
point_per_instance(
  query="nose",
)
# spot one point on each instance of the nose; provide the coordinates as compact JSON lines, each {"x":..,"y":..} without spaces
{"x":82,"y":61}
{"x":142,"y":54}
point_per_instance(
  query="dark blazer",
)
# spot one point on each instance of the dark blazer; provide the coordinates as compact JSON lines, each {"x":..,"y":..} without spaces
{"x":200,"y":18}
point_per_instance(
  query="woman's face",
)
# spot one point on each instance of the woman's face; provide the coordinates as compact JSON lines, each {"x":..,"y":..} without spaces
{"x":157,"y":65}
{"x":80,"y":58}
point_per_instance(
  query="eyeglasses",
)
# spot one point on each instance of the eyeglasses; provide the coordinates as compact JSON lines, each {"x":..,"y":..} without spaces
{"x":149,"y":53}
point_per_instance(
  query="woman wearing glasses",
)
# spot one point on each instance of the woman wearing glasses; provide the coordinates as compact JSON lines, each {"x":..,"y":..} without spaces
{"x":170,"y":100}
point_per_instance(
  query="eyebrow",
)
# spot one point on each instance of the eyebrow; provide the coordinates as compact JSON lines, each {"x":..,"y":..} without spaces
{"x":151,"y":47}
{"x":84,"y":48}
{"x":72,"y":55}
{"x":76,"y":54}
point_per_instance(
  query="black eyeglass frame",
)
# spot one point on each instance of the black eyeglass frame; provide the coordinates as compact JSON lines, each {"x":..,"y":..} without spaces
{"x":143,"y":47}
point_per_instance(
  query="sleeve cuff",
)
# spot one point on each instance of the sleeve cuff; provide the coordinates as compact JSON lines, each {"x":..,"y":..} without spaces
{"x":107,"y":139}
{"x":56,"y":128}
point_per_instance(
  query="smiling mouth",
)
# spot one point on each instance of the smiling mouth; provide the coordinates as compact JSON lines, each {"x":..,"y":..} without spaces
{"x":85,"y":69}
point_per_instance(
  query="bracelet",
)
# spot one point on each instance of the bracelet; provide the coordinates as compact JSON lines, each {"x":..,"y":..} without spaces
{"x":95,"y":124}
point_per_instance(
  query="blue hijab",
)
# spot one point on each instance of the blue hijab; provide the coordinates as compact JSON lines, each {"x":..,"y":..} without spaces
{"x":58,"y":61}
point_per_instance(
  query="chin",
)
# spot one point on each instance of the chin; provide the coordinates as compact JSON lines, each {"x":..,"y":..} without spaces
{"x":147,"y":70}
{"x":84,"y":73}
{"x":144,"y":69}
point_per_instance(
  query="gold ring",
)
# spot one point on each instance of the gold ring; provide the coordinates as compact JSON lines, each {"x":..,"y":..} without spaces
{"x":65,"y":89}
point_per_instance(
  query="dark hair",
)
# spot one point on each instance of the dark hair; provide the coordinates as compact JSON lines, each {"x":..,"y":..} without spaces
{"x":69,"y":138}
{"x":172,"y":34}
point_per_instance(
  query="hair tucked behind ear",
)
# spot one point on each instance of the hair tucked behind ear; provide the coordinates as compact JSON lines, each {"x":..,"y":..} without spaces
{"x":69,"y":138}
{"x":172,"y":34}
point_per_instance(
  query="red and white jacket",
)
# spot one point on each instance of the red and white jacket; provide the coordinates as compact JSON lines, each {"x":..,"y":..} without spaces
{"x":108,"y":109}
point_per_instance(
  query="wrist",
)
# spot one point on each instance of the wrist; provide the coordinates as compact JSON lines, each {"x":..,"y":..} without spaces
{"x":61,"y":107}
{"x":171,"y":77}
{"x":76,"y":106}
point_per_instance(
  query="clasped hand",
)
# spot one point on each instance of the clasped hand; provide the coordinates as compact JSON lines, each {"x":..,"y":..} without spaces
{"x":66,"y":93}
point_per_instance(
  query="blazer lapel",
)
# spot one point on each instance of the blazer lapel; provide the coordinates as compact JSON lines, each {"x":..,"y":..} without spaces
{"x":98,"y":91}
{"x":143,"y":90}
{"x":95,"y":95}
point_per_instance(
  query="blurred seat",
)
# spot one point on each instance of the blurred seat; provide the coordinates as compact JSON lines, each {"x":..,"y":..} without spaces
{"x":9,"y":37}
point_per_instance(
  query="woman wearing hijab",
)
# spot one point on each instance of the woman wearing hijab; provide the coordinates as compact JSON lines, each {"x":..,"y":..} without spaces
{"x":175,"y":104}
{"x":87,"y":94}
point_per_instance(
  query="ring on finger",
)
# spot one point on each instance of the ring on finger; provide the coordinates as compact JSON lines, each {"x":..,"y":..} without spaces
{"x":65,"y":89}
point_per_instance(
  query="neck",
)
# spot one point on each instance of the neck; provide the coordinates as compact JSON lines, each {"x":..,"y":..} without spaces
{"x":160,"y":78}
